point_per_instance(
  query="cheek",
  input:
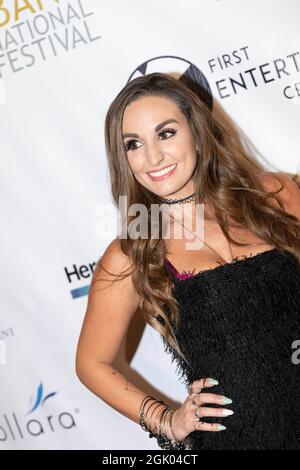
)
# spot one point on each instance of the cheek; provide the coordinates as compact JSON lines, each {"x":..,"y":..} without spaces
{"x":189,"y":158}
{"x":132,"y":163}
{"x":136,"y":164}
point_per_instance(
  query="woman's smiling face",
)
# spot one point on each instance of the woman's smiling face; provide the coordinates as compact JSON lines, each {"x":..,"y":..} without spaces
{"x":160,"y":146}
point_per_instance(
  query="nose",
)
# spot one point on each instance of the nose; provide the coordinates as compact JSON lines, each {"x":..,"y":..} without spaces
{"x":154,"y":154}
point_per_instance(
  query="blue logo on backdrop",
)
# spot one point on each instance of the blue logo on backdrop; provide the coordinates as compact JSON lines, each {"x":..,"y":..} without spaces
{"x":15,"y":427}
{"x":39,"y":398}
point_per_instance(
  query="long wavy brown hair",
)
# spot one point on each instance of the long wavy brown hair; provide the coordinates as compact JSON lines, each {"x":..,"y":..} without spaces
{"x":227,"y":177}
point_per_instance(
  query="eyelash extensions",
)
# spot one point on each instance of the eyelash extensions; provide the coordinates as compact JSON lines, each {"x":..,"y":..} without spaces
{"x":128,"y":147}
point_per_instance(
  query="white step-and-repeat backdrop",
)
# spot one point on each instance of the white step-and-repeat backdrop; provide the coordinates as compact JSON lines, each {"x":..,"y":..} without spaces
{"x":61,"y":64}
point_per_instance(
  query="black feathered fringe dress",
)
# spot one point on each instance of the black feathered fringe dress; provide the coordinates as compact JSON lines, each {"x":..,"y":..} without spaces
{"x":240,"y":322}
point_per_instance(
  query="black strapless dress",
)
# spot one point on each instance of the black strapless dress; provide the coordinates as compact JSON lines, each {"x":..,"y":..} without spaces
{"x":239,"y":321}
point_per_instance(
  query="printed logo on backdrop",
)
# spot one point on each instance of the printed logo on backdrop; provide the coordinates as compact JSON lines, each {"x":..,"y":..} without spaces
{"x":181,"y":69}
{"x":36,"y":421}
{"x":77,"y":273}
{"x":231,"y":73}
{"x":31,"y":32}
{"x":238,"y":71}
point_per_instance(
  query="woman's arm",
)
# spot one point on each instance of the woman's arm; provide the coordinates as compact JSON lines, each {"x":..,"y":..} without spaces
{"x":110,"y":308}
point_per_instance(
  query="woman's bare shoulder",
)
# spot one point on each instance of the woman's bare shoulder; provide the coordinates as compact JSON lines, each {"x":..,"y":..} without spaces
{"x":113,"y":259}
{"x":112,"y":278}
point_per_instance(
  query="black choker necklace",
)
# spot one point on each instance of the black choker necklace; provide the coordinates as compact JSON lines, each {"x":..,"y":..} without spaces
{"x":177,"y":201}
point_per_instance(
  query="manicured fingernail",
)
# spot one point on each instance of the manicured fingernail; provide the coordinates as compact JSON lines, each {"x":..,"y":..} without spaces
{"x":227,"y":412}
{"x":212,"y":382}
{"x":226,"y":401}
{"x":220,"y":427}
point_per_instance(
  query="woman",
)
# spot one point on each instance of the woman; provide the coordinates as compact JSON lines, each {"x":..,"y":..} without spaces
{"x":229,"y":312}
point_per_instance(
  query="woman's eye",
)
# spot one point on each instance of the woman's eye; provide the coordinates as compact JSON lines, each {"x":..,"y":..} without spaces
{"x":168,"y":131}
{"x":130,"y":145}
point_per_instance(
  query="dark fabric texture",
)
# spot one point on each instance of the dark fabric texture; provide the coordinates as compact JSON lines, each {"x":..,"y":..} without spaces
{"x":238,"y":323}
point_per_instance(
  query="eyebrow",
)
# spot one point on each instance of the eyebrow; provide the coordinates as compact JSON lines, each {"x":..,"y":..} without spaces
{"x":157,"y":128}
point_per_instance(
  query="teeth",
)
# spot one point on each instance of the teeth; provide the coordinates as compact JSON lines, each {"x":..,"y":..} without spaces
{"x":163,"y":172}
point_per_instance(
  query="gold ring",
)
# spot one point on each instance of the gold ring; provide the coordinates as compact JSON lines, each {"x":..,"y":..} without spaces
{"x":196,"y":412}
